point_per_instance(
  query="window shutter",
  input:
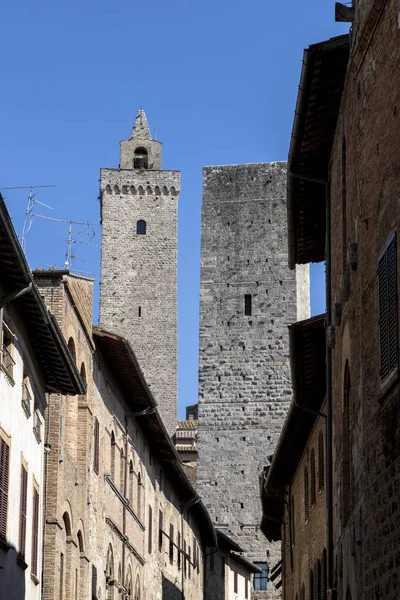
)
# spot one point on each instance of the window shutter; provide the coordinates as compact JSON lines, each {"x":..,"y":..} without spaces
{"x":22,"y":511}
{"x":321,"y":462}
{"x":150,"y":533}
{"x":313,"y":492}
{"x":35,"y":532}
{"x":323,"y":576}
{"x":94,"y":583}
{"x":96,"y":446}
{"x":4,"y":475}
{"x":160,"y":529}
{"x":387,"y":285}
{"x":306,"y":503}
{"x":171,"y":543}
{"x":179,"y":550}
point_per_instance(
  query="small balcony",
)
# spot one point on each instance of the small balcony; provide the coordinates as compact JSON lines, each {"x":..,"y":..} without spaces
{"x":26,"y":400}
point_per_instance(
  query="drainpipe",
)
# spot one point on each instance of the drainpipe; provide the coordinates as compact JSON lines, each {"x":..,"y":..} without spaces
{"x":329,"y":436}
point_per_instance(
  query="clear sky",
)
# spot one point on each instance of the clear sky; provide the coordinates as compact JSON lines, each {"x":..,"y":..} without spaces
{"x":218,"y":80}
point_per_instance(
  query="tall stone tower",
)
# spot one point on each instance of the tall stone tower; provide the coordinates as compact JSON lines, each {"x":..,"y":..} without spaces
{"x":248,"y":298}
{"x":139,"y":213}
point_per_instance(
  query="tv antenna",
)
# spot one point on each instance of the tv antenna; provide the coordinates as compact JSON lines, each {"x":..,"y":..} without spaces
{"x":29,"y":215}
{"x":71,"y":234}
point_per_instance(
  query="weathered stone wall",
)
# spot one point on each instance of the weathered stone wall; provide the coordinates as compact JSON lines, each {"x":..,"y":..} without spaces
{"x":366,"y":212}
{"x":244,"y":374}
{"x":139,"y":272}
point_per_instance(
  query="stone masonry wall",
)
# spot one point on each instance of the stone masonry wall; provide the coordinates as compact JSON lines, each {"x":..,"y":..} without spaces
{"x":139,"y":273}
{"x":244,"y":373}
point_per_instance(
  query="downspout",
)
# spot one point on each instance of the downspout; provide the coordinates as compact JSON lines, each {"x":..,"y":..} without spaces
{"x":328,"y":360}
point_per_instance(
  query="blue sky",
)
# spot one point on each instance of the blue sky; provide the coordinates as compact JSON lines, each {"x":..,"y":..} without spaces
{"x":218,"y":80}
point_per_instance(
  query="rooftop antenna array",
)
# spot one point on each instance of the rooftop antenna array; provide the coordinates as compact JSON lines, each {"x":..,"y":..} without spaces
{"x":29,"y":215}
{"x":70,"y":233}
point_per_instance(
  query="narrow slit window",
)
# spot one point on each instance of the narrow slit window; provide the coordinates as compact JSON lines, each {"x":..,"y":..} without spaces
{"x":140,"y":311}
{"x":141,"y":227}
{"x":247,"y":305}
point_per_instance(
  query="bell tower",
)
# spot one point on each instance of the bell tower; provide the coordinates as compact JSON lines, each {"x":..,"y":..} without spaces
{"x":138,"y":299}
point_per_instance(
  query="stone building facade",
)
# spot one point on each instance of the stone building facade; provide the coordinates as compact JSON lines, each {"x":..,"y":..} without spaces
{"x":248,"y":297}
{"x":122,"y":521}
{"x":139,"y":214}
{"x":34,"y":360}
{"x":350,"y":140}
{"x":294,"y":487}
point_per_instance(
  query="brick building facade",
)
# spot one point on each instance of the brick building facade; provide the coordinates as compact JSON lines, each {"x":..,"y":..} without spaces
{"x":122,"y":521}
{"x":344,"y":194}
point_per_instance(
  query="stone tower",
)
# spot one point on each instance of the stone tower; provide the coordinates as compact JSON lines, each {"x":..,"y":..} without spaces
{"x":248,"y":299}
{"x":139,"y":213}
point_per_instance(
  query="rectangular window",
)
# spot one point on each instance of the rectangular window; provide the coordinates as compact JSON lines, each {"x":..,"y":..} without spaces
{"x":387,"y":285}
{"x":235,"y":582}
{"x":184,"y":558}
{"x":171,"y":543}
{"x":94,"y":583}
{"x":150,"y":533}
{"x":247,"y":305}
{"x":61,"y":575}
{"x":261,"y":579}
{"x":160,"y":530}
{"x":96,"y":444}
{"x":22,"y":511}
{"x":4,"y":476}
{"x":246,"y":588}
{"x":35,"y":532}
{"x":179,"y":550}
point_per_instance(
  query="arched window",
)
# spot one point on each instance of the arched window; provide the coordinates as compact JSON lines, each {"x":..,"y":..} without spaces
{"x":108,"y":189}
{"x":71,"y":348}
{"x":141,"y":159}
{"x":321,"y":462}
{"x":137,"y":589}
{"x":110,"y":573}
{"x":112,"y":468}
{"x":141,"y":227}
{"x":131,"y":475}
{"x":312,"y":464}
{"x":306,"y":500}
{"x":116,"y":189}
{"x":128,"y":583}
{"x":83,"y":373}
{"x":347,"y":475}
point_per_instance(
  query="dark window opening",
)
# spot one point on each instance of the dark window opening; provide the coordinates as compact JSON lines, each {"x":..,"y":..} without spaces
{"x":235,"y":582}
{"x":141,"y":159}
{"x":171,"y":543}
{"x":387,"y":284}
{"x":141,"y":227}
{"x":139,"y":311}
{"x":261,"y":579}
{"x":247,"y":305}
